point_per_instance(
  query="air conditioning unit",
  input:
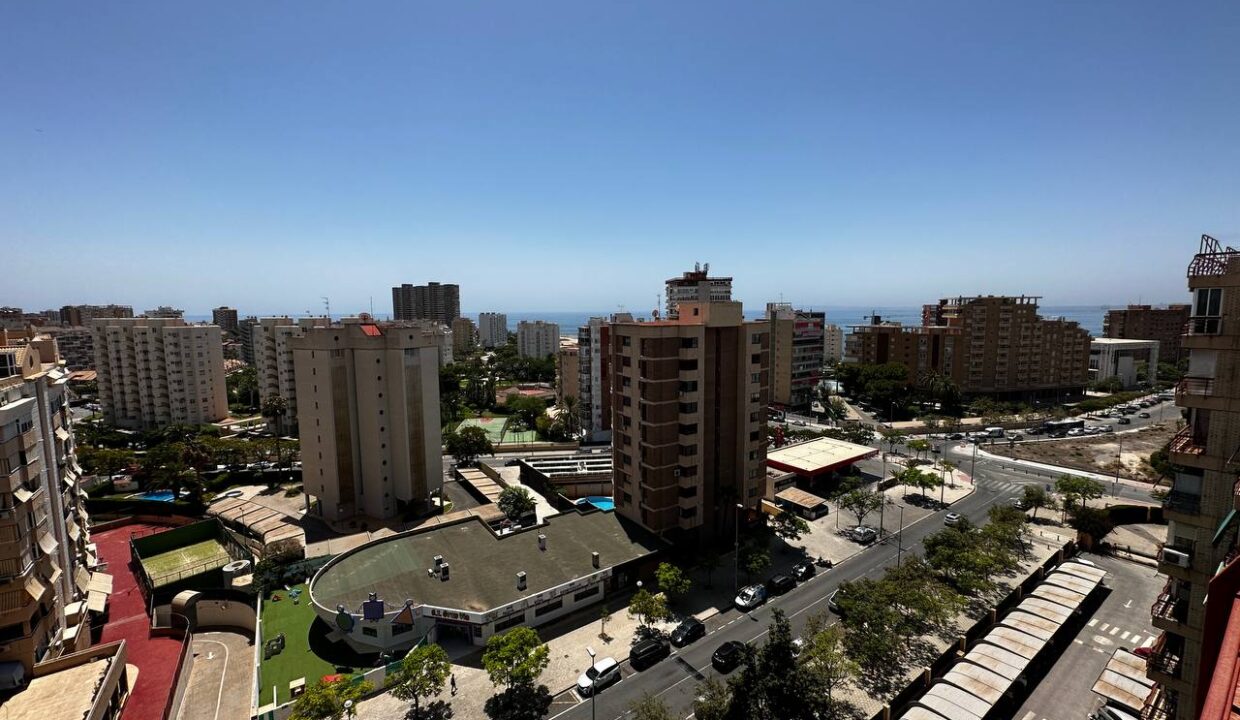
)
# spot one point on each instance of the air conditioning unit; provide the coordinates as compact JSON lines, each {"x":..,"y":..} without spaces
{"x":1175,"y":557}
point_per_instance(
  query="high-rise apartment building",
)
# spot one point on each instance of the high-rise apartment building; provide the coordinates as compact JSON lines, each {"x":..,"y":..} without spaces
{"x":568,"y":371}
{"x":796,"y":353}
{"x":689,"y":400}
{"x":84,"y":315}
{"x":76,"y":346}
{"x":1012,"y":352}
{"x":594,"y":383}
{"x":537,"y":338}
{"x":368,"y":416}
{"x":1147,"y":322}
{"x":433,"y":301}
{"x":696,"y":286}
{"x":245,"y":330}
{"x":832,"y":343}
{"x":492,"y":329}
{"x":1201,"y":507}
{"x":159,"y":371}
{"x":165,"y":312}
{"x":226,"y":318}
{"x":921,"y":349}
{"x":464,"y":335}
{"x":273,"y":361}
{"x":44,"y":563}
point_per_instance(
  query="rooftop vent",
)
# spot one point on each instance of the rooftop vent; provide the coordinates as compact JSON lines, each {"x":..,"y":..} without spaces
{"x":443,"y":571}
{"x":521,"y":580}
{"x":438,"y":560}
{"x":542,"y":541}
{"x":594,"y":559}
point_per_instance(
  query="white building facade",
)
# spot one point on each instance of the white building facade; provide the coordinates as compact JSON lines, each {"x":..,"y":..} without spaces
{"x":492,"y":329}
{"x":537,"y":338}
{"x":1119,"y":358}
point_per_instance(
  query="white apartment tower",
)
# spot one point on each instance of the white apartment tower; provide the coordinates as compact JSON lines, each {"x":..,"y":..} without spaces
{"x":273,"y":361}
{"x":492,"y":329}
{"x":537,"y":338}
{"x":44,"y":561}
{"x":833,"y":343}
{"x":159,"y":371}
{"x":368,"y":417}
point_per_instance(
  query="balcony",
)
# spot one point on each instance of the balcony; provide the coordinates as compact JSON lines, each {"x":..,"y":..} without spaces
{"x":1187,"y":442}
{"x":1171,"y":606}
{"x":1160,"y":704}
{"x":1166,"y":657}
{"x":1183,"y":502}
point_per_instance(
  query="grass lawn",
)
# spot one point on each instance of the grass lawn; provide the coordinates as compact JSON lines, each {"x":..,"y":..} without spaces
{"x":189,"y":560}
{"x":297,"y":660}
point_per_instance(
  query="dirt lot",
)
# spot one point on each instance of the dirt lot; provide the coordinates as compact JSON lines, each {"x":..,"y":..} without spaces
{"x":1097,"y":453}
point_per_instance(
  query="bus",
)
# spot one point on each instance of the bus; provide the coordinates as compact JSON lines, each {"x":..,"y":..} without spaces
{"x":1053,"y":427}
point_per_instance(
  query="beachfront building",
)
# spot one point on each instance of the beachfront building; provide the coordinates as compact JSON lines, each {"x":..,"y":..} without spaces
{"x":537,"y":339}
{"x":440,"y":303}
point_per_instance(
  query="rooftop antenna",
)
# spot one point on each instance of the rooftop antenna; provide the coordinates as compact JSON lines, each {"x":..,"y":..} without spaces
{"x":372,"y":306}
{"x":327,"y":306}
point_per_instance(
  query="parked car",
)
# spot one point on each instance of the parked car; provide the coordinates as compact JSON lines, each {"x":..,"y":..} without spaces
{"x":864,"y":534}
{"x":648,"y":652}
{"x":687,"y":631}
{"x":1020,"y":504}
{"x":952,"y":519}
{"x":956,"y":436}
{"x":598,"y":676}
{"x":1016,"y":436}
{"x":1143,"y":415}
{"x":780,"y":584}
{"x":750,"y":597}
{"x":804,"y":570}
{"x":728,"y":655}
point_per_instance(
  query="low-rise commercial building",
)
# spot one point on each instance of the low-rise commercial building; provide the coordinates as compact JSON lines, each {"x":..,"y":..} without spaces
{"x":1121,"y":358}
{"x":154,"y":372}
{"x":462,"y":581}
{"x":537,"y":339}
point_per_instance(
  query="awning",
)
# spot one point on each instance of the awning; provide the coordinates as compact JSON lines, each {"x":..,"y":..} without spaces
{"x":81,"y":579}
{"x":48,"y":544}
{"x":35,"y":588}
{"x":62,"y":434}
{"x":96,"y":602}
{"x":74,"y":532}
{"x":1227,"y":522}
{"x":101,"y":582}
{"x":22,"y":494}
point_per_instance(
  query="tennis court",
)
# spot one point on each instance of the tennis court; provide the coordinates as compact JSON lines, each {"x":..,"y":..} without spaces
{"x":494,"y":426}
{"x":169,"y":567}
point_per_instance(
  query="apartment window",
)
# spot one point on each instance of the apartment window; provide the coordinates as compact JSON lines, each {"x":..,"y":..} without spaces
{"x":753,"y":435}
{"x":689,"y":407}
{"x":626,"y":459}
{"x":688,"y":512}
{"x":756,"y":358}
{"x":756,"y":338}
{"x":688,"y":492}
{"x":1207,"y":309}
{"x":688,"y":386}
{"x":688,"y":365}
{"x":688,"y":428}
{"x":626,"y":361}
{"x":626,"y":341}
{"x":755,"y":397}
{"x":688,"y":343}
{"x":688,"y":450}
{"x":628,"y":499}
{"x":755,"y":377}
{"x":628,"y":401}
{"x":370,"y":632}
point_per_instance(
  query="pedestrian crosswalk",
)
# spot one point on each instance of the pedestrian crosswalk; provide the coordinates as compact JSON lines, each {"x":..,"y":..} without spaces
{"x":1107,"y":634}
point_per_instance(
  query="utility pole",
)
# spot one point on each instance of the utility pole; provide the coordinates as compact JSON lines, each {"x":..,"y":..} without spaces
{"x":1119,"y":461}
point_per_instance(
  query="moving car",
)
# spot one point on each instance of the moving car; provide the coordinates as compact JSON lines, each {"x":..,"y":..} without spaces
{"x":728,"y":655}
{"x":598,"y":676}
{"x":864,"y":534}
{"x":1143,"y":415}
{"x":1124,"y":421}
{"x":750,"y":597}
{"x":956,"y":436}
{"x":804,"y":570}
{"x":687,"y":631}
{"x":952,"y":519}
{"x":780,"y":584}
{"x":648,"y":652}
{"x":833,"y":602}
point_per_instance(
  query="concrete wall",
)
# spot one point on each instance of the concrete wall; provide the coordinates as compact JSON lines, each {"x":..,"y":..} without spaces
{"x":224,"y":613}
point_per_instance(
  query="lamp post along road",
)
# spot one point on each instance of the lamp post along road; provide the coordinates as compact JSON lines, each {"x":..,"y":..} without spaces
{"x":594,"y":680}
{"x":736,"y":550}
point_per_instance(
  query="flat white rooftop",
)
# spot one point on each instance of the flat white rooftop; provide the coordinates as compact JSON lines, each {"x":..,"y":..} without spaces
{"x":817,"y":456}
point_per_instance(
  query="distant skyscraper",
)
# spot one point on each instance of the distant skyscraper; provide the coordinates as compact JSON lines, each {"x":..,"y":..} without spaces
{"x":226,"y":318}
{"x":697,"y":286}
{"x":492,"y":329}
{"x":433,"y":301}
{"x":368,"y":412}
{"x":537,"y":338}
{"x":464,"y":335}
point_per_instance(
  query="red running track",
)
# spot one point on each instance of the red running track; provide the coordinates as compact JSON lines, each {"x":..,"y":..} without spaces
{"x":155,"y":657}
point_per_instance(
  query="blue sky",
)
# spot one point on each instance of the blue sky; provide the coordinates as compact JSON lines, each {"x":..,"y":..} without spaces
{"x":572,"y":155}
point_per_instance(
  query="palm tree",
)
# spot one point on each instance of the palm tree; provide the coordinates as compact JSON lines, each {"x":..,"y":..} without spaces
{"x":196,"y":455}
{"x":274,"y":409}
{"x":570,"y":409}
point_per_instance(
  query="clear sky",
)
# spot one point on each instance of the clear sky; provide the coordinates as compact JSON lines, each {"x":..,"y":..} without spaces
{"x":572,"y":155}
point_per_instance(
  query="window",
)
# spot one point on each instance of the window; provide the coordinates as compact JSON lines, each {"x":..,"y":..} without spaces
{"x":688,"y":428}
{"x":688,"y":365}
{"x":756,"y":338}
{"x":511,"y":622}
{"x":370,"y":632}
{"x":688,"y":386}
{"x":1207,"y":311}
{"x":689,"y":342}
{"x":401,"y":629}
{"x":549,"y":608}
{"x":688,"y":512}
{"x":626,"y":341}
{"x":689,"y":407}
{"x":688,"y":450}
{"x":626,"y":361}
{"x":755,"y":377}
{"x":588,"y":592}
{"x":688,"y":492}
{"x":755,"y":358}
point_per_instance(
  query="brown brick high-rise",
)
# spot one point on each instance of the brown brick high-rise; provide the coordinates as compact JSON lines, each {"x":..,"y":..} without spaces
{"x":1146,"y":322}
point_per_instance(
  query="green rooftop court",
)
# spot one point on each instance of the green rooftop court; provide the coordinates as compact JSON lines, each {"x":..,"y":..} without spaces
{"x":494,"y":426}
{"x":169,"y":567}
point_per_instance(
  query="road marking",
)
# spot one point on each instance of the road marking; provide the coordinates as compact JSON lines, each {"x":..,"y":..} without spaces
{"x":1028,"y":716}
{"x":1124,"y":636}
{"x":1103,"y":627}
{"x":1128,"y":604}
{"x":1114,"y":630}
{"x":1136,"y":640}
{"x":1079,"y":641}
{"x":1093,"y":622}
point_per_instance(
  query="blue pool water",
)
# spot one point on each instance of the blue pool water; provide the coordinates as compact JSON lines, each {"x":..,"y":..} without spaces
{"x":159,"y":495}
{"x":605,"y":504}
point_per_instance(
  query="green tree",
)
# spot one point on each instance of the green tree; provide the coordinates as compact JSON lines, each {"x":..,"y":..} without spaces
{"x":1036,"y":497}
{"x":422,"y":674}
{"x":892,"y":437}
{"x":104,"y":461}
{"x":526,"y":409}
{"x":326,"y":701}
{"x":649,"y":707}
{"x":835,"y":410}
{"x":918,"y":446}
{"x":923,"y":600}
{"x":861,"y":502}
{"x":712,"y":700}
{"x":468,"y":444}
{"x":649,"y":607}
{"x":710,"y":562}
{"x":672,"y":580}
{"x":772,"y":684}
{"x":1074,"y":489}
{"x":242,"y":388}
{"x":961,"y":556}
{"x":754,"y":560}
{"x":1094,"y":522}
{"x":874,"y":632}
{"x":827,"y":662}
{"x":515,"y":657}
{"x":570,"y":414}
{"x":274,"y":409}
{"x":516,"y":502}
{"x":789,"y":526}
{"x":524,"y":701}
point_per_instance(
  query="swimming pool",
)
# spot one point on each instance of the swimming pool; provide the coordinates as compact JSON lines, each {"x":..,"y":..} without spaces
{"x":157,"y":495}
{"x":601,"y":502}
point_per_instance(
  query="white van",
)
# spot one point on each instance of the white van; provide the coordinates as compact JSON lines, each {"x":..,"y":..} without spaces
{"x":994,"y":432}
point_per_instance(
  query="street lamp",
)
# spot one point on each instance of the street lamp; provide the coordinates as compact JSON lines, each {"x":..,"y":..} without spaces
{"x":594,"y":678}
{"x":1119,"y":461}
{"x":900,"y":538}
{"x":736,"y":550}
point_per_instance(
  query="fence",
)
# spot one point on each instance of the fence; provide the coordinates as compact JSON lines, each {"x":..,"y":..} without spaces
{"x":179,"y":627}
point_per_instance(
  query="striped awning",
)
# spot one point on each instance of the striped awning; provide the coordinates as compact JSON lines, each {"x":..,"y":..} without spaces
{"x":96,"y":602}
{"x":35,"y":588}
{"x":81,"y":579}
{"x":48,"y":544}
{"x":101,"y":582}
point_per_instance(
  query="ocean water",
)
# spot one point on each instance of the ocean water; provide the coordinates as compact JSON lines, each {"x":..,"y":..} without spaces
{"x":1089,"y":316}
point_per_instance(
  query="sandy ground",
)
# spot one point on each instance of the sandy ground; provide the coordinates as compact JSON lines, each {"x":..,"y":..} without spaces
{"x":1097,"y":453}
